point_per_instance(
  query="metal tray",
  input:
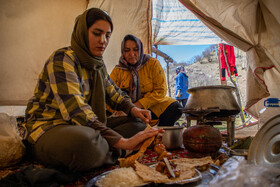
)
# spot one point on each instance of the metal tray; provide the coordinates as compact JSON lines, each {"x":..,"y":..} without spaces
{"x":196,"y":177}
{"x":264,"y":149}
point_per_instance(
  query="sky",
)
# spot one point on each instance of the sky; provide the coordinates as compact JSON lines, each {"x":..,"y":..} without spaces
{"x":180,"y":53}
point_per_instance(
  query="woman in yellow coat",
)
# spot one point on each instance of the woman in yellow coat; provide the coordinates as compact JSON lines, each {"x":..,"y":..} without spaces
{"x":143,"y":78}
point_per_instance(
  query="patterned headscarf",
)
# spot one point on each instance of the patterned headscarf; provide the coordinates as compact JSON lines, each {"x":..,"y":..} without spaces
{"x":134,"y":86}
{"x":80,"y":45}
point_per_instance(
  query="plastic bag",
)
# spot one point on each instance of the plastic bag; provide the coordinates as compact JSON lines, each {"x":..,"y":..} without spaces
{"x":11,"y":147}
{"x":236,"y":172}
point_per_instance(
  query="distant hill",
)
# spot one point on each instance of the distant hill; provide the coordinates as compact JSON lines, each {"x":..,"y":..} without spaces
{"x":205,"y":72}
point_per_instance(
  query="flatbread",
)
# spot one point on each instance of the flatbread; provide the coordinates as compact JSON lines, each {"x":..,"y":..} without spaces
{"x":149,"y":174}
{"x":183,"y":163}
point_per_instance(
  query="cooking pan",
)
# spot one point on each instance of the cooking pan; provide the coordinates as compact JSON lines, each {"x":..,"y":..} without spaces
{"x":216,"y":100}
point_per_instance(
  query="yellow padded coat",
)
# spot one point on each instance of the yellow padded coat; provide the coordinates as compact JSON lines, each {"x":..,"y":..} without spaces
{"x":152,"y":83}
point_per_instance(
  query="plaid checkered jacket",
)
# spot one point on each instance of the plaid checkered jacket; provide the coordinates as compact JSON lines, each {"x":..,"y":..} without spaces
{"x":62,"y":96}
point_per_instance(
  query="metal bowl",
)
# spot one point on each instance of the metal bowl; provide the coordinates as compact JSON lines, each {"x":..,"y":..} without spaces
{"x":172,"y":137}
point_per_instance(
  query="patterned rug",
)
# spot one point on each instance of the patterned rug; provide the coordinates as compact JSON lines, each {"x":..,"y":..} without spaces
{"x":149,"y":158}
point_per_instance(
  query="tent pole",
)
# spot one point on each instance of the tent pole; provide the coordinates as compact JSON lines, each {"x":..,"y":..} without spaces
{"x":167,"y":59}
{"x":237,"y":89}
{"x":167,"y":72}
{"x":156,"y":53}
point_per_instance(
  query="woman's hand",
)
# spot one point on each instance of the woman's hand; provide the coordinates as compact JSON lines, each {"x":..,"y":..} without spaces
{"x":138,"y":104}
{"x":144,"y":115}
{"x":135,"y":142}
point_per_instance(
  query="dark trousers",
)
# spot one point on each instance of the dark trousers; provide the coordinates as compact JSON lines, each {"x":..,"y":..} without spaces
{"x":183,"y":102}
{"x":170,"y":115}
{"x":81,"y":148}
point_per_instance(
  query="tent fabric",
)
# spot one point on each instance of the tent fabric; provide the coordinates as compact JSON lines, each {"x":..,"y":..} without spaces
{"x":30,"y":31}
{"x":173,"y":24}
{"x":46,"y":26}
{"x":252,"y":26}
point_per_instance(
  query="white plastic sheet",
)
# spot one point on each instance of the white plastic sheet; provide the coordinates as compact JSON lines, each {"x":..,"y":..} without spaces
{"x":174,"y":24}
{"x":236,"y":172}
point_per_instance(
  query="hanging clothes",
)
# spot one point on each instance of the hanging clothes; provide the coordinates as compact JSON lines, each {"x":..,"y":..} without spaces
{"x":229,"y":51}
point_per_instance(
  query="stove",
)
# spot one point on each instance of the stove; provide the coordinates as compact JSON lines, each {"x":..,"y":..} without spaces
{"x":210,"y":117}
{"x":211,"y":105}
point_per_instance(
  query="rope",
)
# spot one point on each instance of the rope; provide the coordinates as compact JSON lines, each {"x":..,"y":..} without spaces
{"x":243,"y":125}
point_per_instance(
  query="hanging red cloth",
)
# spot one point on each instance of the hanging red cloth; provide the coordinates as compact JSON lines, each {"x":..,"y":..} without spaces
{"x":229,"y":51}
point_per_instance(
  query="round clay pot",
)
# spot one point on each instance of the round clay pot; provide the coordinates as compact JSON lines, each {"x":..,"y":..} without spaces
{"x":202,"y":139}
